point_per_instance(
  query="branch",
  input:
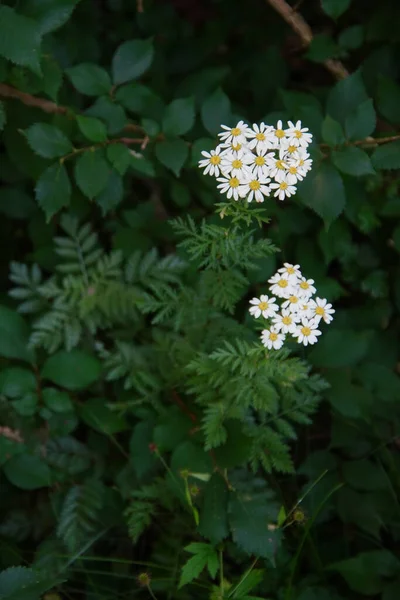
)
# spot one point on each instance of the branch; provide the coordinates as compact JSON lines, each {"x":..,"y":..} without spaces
{"x":304,"y":31}
{"x":368,"y":142}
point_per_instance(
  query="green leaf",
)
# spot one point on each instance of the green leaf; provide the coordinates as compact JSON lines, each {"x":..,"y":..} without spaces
{"x":109,"y":111}
{"x":392,"y":590}
{"x":52,"y":77}
{"x":366,"y":572}
{"x":213,"y":513}
{"x":89,"y":79}
{"x":95,"y":413}
{"x":345,"y":97}
{"x":131,"y":60}
{"x":21,"y":583}
{"x":332,"y":132}
{"x":53,"y":189}
{"x":340,"y":348}
{"x":216,"y":111}
{"x":335,"y":8}
{"x":248,"y":582}
{"x":352,"y":37}
{"x":142,"y":459}
{"x":15,"y":382}
{"x":3,"y":116}
{"x":112,"y":195}
{"x":49,"y":14}
{"x":321,"y":48}
{"x":353,"y":161}
{"x":172,"y":154}
{"x":57,"y":400}
{"x":204,"y":555}
{"x":140,"y":100}
{"x":16,"y":203}
{"x":364,"y":475}
{"x":93,"y":129}
{"x":91,"y":173}
{"x":361,"y":122}
{"x":323,"y":191}
{"x":179,"y":117}
{"x":47,"y":141}
{"x":75,"y":370}
{"x":387,"y":156}
{"x":388,"y":99}
{"x":14,"y":335}
{"x":27,"y":472}
{"x":119,"y":156}
{"x":20,"y":39}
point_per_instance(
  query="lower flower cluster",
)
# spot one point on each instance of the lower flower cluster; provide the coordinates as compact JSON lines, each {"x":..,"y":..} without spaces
{"x":299,"y":313}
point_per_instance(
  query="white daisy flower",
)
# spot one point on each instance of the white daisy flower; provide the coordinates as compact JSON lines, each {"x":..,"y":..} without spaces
{"x":286,"y":322}
{"x":259,"y":162}
{"x":304,"y":309}
{"x":289,"y":149}
{"x":306,"y":287}
{"x":306,"y":332}
{"x":321,"y":310}
{"x":303,"y":162}
{"x":235,"y":135}
{"x":276,"y":135}
{"x":283,"y":189}
{"x":297,"y":135}
{"x":256,"y":188}
{"x":212,"y":162}
{"x":230,"y":186}
{"x":258,"y":137}
{"x":293,"y":303}
{"x":290,"y":269}
{"x":281,"y":286}
{"x":236,"y":164}
{"x":271,"y":338}
{"x":277,"y":166}
{"x":263,"y":306}
{"x":293,"y":173}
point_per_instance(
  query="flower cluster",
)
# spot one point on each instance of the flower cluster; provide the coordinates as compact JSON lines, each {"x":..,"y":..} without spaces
{"x":299,"y":314}
{"x":254,"y":162}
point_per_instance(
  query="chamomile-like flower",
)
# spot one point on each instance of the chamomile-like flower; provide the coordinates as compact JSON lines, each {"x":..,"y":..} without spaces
{"x":258,"y":137}
{"x":306,"y":287}
{"x":289,"y":269}
{"x":264,"y":306}
{"x":230,"y":186}
{"x":212,"y":162}
{"x":303,"y":162}
{"x":276,"y":135}
{"x":277,"y":166}
{"x":281,"y":286}
{"x":259,"y":162}
{"x":297,"y":135}
{"x":235,"y":135}
{"x":271,"y":338}
{"x":283,"y":189}
{"x":293,"y":302}
{"x":255,"y":188}
{"x":306,"y":332}
{"x":293,"y":174}
{"x":236,"y":164}
{"x":286,"y":321}
{"x":320,"y":309}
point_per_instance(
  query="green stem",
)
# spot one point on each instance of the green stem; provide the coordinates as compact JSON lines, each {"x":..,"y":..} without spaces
{"x":151,"y":593}
{"x":244,"y":577}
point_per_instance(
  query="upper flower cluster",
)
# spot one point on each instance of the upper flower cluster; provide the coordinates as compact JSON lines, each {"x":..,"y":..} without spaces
{"x":299,"y":313}
{"x":253,"y":162}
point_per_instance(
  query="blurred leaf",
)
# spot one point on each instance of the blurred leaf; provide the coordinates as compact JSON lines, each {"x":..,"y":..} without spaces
{"x":352,"y":37}
{"x":204,"y":555}
{"x":16,"y":203}
{"x":112,"y":113}
{"x":335,"y":8}
{"x":321,"y":48}
{"x":3,"y":116}
{"x":352,"y":161}
{"x":14,"y":334}
{"x":27,"y":472}
{"x":93,"y":129}
{"x":361,"y":122}
{"x":365,"y":572}
{"x":248,"y":582}
{"x":213,"y":512}
{"x":141,"y":100}
{"x":73,"y":370}
{"x":332,"y":132}
{"x":112,"y":195}
{"x":20,"y":39}
{"x":120,"y":157}
{"x":172,"y":154}
{"x":57,"y":400}
{"x":91,"y":173}
{"x":340,"y":348}
{"x":346,"y":96}
{"x":323,"y":191}
{"x":132,"y":59}
{"x":216,"y":111}
{"x":364,"y":475}
{"x":387,"y":156}
{"x":53,"y":190}
{"x":388,"y":99}
{"x":89,"y":79}
{"x":47,"y":141}
{"x":179,"y":117}
{"x":49,"y":14}
{"x":95,"y":413}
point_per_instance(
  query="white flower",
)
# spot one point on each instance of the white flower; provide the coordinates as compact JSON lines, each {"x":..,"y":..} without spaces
{"x":286,"y":321}
{"x":277,"y":166}
{"x":236,"y":164}
{"x":293,"y":303}
{"x":304,"y":309}
{"x":212,"y":162}
{"x":297,"y":135}
{"x":230,"y":186}
{"x":293,"y":173}
{"x":289,"y":149}
{"x":256,"y":188}
{"x":271,"y":338}
{"x":276,"y":135}
{"x":319,"y":309}
{"x":234,"y":135}
{"x":306,"y":332}
{"x":259,"y":162}
{"x":303,"y":162}
{"x":283,"y":189}
{"x":258,"y":137}
{"x":281,"y":286}
{"x":263,"y":306}
{"x":290,"y":269}
{"x":306,"y":287}
{"x":233,"y":147}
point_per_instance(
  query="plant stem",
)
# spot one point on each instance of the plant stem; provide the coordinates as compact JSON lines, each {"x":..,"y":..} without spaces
{"x":221,"y":573}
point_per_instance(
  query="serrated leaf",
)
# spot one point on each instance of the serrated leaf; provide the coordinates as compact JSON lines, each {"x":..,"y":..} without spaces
{"x":213,"y":512}
{"x":91,"y":173}
{"x":353,"y":161}
{"x":387,"y":156}
{"x":172,"y":154}
{"x":179,"y":117}
{"x":332,"y":132}
{"x":361,"y":122}
{"x":131,"y":60}
{"x":388,"y":99}
{"x":204,"y":555}
{"x":119,"y":156}
{"x":216,"y":111}
{"x":140,"y":100}
{"x":90,"y":79}
{"x":109,"y":111}
{"x":3,"y":116}
{"x":345,"y":97}
{"x":53,"y":189}
{"x":93,"y":129}
{"x":22,"y":583}
{"x":52,"y":77}
{"x":112,"y":194}
{"x":47,"y":140}
{"x":323,"y":191}
{"x":335,"y":8}
{"x":49,"y":14}
{"x":20,"y":39}
{"x":57,"y":400}
{"x":73,"y":370}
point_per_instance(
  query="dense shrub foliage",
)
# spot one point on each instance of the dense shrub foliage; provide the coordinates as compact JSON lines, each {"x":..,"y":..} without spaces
{"x":150,"y":445}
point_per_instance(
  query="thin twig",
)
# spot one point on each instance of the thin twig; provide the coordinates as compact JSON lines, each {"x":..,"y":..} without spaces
{"x":304,"y":31}
{"x":368,"y":142}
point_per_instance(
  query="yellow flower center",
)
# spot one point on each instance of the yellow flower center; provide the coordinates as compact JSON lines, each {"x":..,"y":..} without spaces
{"x":291,"y":149}
{"x":260,"y":137}
{"x":304,"y":285}
{"x":279,"y":133}
{"x":290,"y":270}
{"x":234,"y":182}
{"x":215,"y":160}
{"x":260,"y":161}
{"x":263,"y":305}
{"x":301,"y":162}
{"x":280,"y":164}
{"x":283,"y":185}
{"x":319,"y":311}
{"x":235,"y":131}
{"x":306,"y":331}
{"x":293,"y":299}
{"x":298,"y":133}
{"x":254,"y":185}
{"x":237,"y":164}
{"x":236,"y":147}
{"x":292,"y":170}
{"x":286,"y":320}
{"x":273,"y":336}
{"x":283,"y":283}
